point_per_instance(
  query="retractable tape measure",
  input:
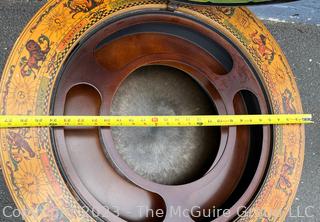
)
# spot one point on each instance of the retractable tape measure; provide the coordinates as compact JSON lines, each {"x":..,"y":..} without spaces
{"x":153,"y":121}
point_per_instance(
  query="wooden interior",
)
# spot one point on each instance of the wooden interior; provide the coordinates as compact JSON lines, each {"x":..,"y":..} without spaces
{"x":88,"y":158}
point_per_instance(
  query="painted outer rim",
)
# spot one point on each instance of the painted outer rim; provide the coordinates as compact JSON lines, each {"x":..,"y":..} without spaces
{"x":31,"y":94}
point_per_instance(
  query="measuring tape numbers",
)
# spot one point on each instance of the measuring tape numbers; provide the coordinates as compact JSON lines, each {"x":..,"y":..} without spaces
{"x":9,"y":121}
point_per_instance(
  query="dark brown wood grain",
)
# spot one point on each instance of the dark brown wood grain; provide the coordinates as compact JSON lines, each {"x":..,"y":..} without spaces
{"x":104,"y":68}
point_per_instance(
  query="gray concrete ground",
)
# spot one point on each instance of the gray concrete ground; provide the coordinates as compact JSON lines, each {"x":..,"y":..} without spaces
{"x":303,"y":11}
{"x":294,"y":25}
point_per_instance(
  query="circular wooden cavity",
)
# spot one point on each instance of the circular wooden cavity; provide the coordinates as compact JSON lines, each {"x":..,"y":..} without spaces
{"x":141,"y":57}
{"x":160,"y":168}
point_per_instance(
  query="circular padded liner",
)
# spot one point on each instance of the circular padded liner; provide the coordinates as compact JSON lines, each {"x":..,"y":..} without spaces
{"x":27,"y":87}
{"x":165,"y":155}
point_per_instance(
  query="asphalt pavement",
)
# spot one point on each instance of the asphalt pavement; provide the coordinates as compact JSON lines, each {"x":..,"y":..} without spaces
{"x":296,"y":26}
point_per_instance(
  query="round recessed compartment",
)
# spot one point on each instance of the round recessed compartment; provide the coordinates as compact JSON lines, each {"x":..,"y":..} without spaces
{"x":161,"y":64}
{"x":158,"y":64}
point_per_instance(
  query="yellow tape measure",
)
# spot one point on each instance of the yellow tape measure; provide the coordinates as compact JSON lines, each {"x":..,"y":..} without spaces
{"x":153,"y":121}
